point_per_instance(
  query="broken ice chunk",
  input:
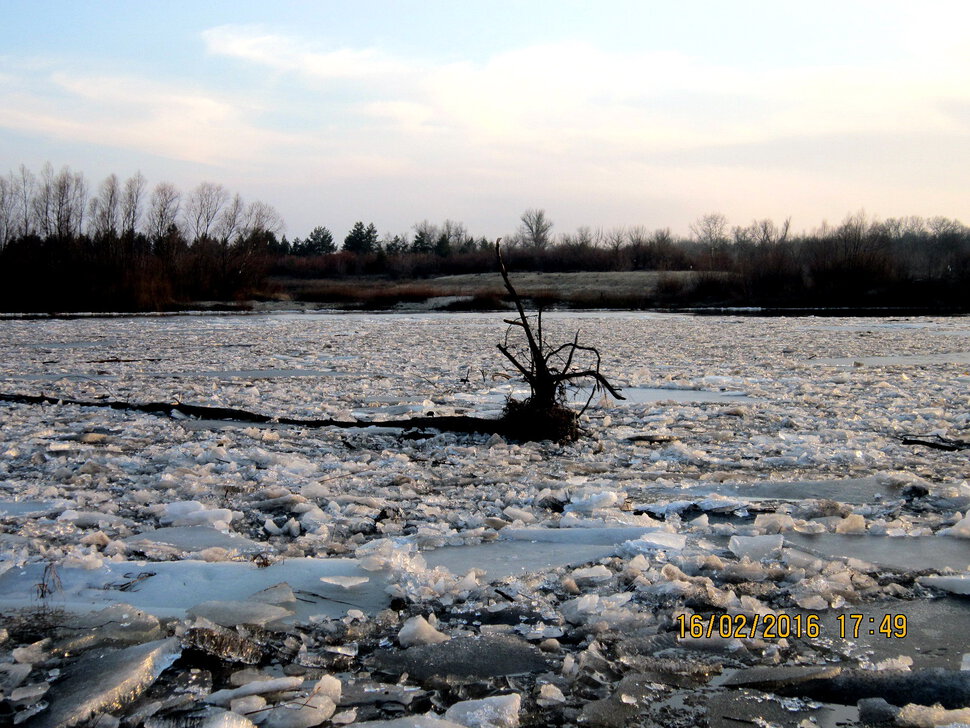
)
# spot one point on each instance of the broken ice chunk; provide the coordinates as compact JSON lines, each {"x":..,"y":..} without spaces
{"x":498,"y":711}
{"x":852,"y":523}
{"x":281,"y":593}
{"x":756,"y":548}
{"x":653,"y":541}
{"x":208,"y":717}
{"x":592,"y":575}
{"x":193,"y":513}
{"x":960,"y":529}
{"x":255,"y":687}
{"x":549,"y":695}
{"x":347,"y":582}
{"x":229,"y":614}
{"x":417,"y":631}
{"x":106,"y":682}
{"x":774,"y":522}
{"x":192,"y":538}
{"x":312,"y":710}
{"x":587,"y":502}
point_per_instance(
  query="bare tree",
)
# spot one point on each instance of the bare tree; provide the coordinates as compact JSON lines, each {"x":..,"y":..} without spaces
{"x":163,"y":210}
{"x":8,"y":200}
{"x":131,"y":203}
{"x":425,"y":236}
{"x":105,"y":209}
{"x":535,"y":228}
{"x":59,"y":202}
{"x":548,"y":369}
{"x":262,"y":218}
{"x":662,"y":236}
{"x":24,"y":184}
{"x":455,"y":233}
{"x":742,"y":235}
{"x":765,"y":232}
{"x":711,"y":231}
{"x":637,"y":236}
{"x":615,"y":238}
{"x":941,"y":226}
{"x":584,"y":238}
{"x":203,"y":207}
{"x":231,"y":220}
{"x":42,"y":202}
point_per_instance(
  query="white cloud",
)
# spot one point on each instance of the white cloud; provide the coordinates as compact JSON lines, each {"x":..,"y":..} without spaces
{"x":554,"y":96}
{"x":119,"y":111}
{"x":293,"y":54}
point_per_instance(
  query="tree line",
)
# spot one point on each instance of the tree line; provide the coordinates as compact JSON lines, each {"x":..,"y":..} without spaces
{"x":122,"y":246}
{"x":902,"y":261}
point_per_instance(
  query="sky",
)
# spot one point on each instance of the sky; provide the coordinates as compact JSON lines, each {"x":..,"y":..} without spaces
{"x":603,"y":114}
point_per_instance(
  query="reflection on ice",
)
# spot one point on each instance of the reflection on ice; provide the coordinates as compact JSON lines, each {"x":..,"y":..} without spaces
{"x":650,"y":395}
{"x":170,"y":588}
{"x":523,"y":551}
{"x":848,"y":490}
{"x":903,"y":553}
{"x":956,"y":357}
{"x":26,"y":508}
{"x":191,"y":539}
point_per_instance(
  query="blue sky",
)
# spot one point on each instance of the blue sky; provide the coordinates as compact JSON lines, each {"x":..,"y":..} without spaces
{"x":604,"y":114}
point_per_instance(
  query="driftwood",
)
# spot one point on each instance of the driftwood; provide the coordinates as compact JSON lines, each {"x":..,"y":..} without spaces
{"x":460,"y":424}
{"x":937,"y":443}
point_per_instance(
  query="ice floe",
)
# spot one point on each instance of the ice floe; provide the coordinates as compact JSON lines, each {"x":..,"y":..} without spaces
{"x":174,"y":572}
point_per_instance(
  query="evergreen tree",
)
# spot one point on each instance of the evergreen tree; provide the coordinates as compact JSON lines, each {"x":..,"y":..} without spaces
{"x":361,"y":240}
{"x":319,"y":242}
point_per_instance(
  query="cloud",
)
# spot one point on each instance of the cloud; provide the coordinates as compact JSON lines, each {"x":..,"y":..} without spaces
{"x":169,"y":120}
{"x":559,"y":95}
{"x":293,"y":54}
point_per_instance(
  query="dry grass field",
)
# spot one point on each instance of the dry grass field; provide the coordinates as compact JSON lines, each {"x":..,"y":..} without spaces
{"x":611,"y":289}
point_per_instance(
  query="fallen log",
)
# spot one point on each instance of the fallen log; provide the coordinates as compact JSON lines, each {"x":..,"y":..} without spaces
{"x":454,"y":423}
{"x":937,"y":443}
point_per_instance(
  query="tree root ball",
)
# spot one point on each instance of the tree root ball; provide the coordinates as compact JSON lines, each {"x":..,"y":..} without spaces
{"x":524,"y":420}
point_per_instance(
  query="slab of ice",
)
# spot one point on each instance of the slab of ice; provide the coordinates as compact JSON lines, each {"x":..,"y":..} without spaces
{"x":266,"y":373}
{"x":650,"y":395}
{"x":931,"y":627}
{"x":474,"y":657}
{"x":345,"y":582}
{"x":956,"y":357}
{"x":28,"y":507}
{"x":588,"y":536}
{"x":654,"y":541}
{"x":848,"y":490}
{"x":756,"y":548}
{"x":229,"y":614}
{"x":907,"y":553}
{"x":953,"y":584}
{"x":527,"y":550}
{"x":169,"y":588}
{"x":195,"y":538}
{"x":106,"y":682}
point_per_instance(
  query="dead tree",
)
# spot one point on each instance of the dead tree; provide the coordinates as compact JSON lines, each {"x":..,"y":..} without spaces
{"x":549,"y":370}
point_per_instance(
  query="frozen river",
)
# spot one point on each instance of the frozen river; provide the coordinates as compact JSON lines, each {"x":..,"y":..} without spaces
{"x":758,"y":467}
